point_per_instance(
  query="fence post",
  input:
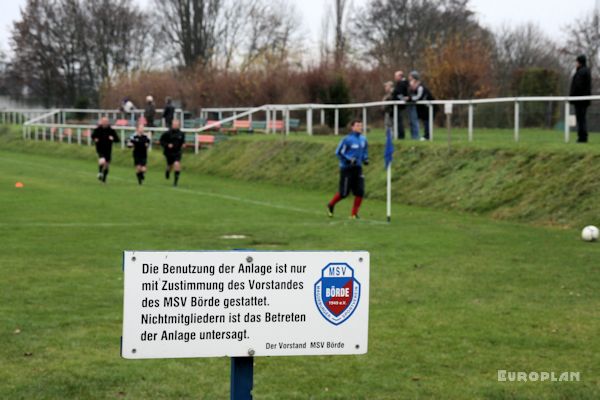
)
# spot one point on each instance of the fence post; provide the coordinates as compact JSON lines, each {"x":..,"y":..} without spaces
{"x":470,"y":122}
{"x":268,"y":119}
{"x":322,"y":116}
{"x":365,"y":122}
{"x":79,"y":136}
{"x":309,"y":123}
{"x":430,"y":109}
{"x":567,"y":121}
{"x":123,"y":139}
{"x":196,"y":144}
{"x":287,"y":121}
{"x":516,"y":120}
{"x":336,"y":128}
{"x":396,"y":133}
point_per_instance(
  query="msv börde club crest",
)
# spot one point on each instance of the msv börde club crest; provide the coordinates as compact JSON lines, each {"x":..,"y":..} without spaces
{"x":337,"y":293}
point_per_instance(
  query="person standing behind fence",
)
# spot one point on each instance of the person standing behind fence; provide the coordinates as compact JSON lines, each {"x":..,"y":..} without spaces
{"x":128,"y":108}
{"x":420,"y":93}
{"x":581,"y":85}
{"x":173,"y":144}
{"x":104,"y":136}
{"x":388,"y":110}
{"x":150,"y":111}
{"x":413,"y":117}
{"x":399,"y":93}
{"x":168,"y":112}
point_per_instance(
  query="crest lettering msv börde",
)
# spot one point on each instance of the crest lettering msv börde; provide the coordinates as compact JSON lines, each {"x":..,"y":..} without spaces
{"x":337,"y":293}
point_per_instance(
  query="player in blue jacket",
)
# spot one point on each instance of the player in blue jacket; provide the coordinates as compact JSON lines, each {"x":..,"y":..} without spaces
{"x":353,"y":154}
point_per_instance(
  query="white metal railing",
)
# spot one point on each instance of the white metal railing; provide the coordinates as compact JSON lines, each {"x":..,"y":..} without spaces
{"x":285,"y":109}
{"x":55,"y":120}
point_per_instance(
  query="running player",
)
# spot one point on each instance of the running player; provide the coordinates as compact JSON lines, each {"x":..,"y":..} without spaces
{"x":173,"y":143}
{"x":140,"y":143}
{"x":104,"y":136}
{"x":353,"y":154}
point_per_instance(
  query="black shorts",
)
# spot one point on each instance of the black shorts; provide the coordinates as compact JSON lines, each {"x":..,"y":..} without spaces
{"x":107,"y":155}
{"x":352,"y":180}
{"x":172,"y":157}
{"x":140,"y":160}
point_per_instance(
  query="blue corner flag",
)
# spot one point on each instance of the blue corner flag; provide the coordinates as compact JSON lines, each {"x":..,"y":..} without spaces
{"x":389,"y":148}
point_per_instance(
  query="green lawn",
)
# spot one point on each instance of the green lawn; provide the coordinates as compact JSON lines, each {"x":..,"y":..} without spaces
{"x":481,"y":136}
{"x":454,"y":297}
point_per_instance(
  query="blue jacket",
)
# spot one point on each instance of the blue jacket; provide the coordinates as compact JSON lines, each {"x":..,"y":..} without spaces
{"x":353,"y":147}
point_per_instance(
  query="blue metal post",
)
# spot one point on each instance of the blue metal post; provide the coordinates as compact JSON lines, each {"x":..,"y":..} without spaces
{"x":242,"y":378}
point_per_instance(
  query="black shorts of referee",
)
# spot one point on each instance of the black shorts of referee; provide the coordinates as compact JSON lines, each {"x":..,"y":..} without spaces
{"x":173,"y":157}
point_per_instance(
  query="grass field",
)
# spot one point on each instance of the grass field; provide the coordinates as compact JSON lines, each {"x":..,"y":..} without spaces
{"x":454,"y":297}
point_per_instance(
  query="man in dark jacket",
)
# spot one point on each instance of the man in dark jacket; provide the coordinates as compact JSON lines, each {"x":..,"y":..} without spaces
{"x":169,"y":112}
{"x":173,"y":143}
{"x":104,"y":136}
{"x":581,"y":86}
{"x":420,"y":93}
{"x":399,"y":93}
{"x":150,"y":111}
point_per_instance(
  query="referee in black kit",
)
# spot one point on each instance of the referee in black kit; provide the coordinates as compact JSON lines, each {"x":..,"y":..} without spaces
{"x":173,"y":144}
{"x":140,"y":143}
{"x":104,"y":136}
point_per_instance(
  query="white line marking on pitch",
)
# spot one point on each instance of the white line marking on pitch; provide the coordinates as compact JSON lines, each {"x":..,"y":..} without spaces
{"x":67,"y":224}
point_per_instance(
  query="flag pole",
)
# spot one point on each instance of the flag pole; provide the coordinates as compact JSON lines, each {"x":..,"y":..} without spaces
{"x":389,"y":192}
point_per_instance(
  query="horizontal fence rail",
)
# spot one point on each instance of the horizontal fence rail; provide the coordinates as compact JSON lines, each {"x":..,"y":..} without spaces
{"x":53,"y":124}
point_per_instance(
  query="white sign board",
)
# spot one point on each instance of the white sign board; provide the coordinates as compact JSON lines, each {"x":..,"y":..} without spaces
{"x":448,"y":108}
{"x":244,"y":303}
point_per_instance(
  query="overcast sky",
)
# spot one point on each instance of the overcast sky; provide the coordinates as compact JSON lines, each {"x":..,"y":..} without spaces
{"x":551,"y":15}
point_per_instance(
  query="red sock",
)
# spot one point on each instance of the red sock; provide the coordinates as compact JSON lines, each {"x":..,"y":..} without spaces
{"x":335,"y":199}
{"x":357,"y":201}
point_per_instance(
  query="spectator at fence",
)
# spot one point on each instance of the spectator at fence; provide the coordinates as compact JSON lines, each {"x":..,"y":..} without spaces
{"x":399,"y":93}
{"x":104,"y":136}
{"x":412,"y":108}
{"x":150,"y":111}
{"x":173,"y":143}
{"x":581,"y":85}
{"x":420,"y":93}
{"x":388,"y":110}
{"x":168,"y":112}
{"x":128,"y":107}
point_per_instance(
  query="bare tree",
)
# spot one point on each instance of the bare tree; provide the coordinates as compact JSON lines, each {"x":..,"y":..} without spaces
{"x":190,"y":26}
{"x":583,"y":37}
{"x":523,"y":47}
{"x":231,"y":30}
{"x":68,"y":47}
{"x":392,"y":33}
{"x":334,"y":29}
{"x":340,"y":37}
{"x":272,"y":33}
